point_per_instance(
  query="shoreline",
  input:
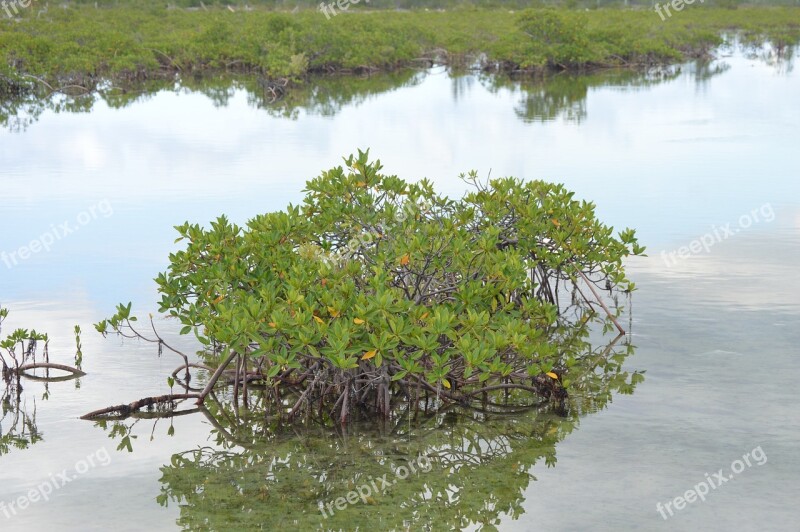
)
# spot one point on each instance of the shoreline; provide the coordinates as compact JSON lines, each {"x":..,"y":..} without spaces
{"x":78,"y":50}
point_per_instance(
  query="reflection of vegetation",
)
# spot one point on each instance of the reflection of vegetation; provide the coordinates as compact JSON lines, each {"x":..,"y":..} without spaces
{"x":563,"y":96}
{"x":18,"y":428}
{"x":325,"y":96}
{"x":328,"y":94}
{"x":704,"y":71}
{"x":260,"y":476}
{"x":20,"y":110}
{"x":541,"y":98}
{"x":775,"y":53}
{"x":18,"y":352}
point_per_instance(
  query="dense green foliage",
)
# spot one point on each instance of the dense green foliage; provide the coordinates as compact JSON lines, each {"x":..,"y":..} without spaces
{"x":376,"y":291}
{"x":418,"y":4}
{"x":82,"y":45}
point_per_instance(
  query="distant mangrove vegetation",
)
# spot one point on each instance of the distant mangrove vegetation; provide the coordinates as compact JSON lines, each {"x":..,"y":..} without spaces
{"x":82,"y":48}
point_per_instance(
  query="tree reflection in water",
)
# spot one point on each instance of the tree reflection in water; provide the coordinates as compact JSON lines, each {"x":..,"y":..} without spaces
{"x":540,"y":99}
{"x":261,"y":474}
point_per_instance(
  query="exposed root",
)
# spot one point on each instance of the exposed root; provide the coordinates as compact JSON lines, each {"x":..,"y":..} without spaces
{"x":48,"y":365}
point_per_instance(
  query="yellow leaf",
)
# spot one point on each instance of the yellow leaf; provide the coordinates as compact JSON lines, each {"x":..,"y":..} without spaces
{"x":358,"y":321}
{"x":369,"y":354}
{"x":334,"y":312}
{"x":404,"y":259}
{"x":552,"y":375}
{"x":446,"y":383}
{"x":361,"y":184}
{"x":220,"y":298}
{"x":424,"y":316}
{"x":318,"y":319}
{"x":556,"y":222}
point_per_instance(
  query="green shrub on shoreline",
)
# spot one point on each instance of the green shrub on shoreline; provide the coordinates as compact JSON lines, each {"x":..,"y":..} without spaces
{"x":82,"y":46}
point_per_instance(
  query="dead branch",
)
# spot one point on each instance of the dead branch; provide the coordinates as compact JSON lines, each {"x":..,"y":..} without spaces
{"x":126,"y":410}
{"x":600,"y":302}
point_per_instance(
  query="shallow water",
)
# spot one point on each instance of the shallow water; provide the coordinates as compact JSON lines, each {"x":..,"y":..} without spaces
{"x":676,"y":154}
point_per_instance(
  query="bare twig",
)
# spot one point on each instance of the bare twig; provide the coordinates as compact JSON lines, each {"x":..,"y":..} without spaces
{"x":600,"y":302}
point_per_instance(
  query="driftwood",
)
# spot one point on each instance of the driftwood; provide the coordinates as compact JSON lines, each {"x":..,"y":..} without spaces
{"x":155,"y":415}
{"x":126,"y":410}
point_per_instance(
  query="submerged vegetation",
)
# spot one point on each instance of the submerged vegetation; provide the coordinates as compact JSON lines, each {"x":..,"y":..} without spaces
{"x":378,"y":296}
{"x":80,"y":47}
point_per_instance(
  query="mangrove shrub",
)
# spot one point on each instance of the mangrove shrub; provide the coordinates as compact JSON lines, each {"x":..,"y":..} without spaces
{"x":376,"y":293}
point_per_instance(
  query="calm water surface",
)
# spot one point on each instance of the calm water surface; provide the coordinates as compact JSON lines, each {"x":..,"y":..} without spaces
{"x":677,"y":154}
